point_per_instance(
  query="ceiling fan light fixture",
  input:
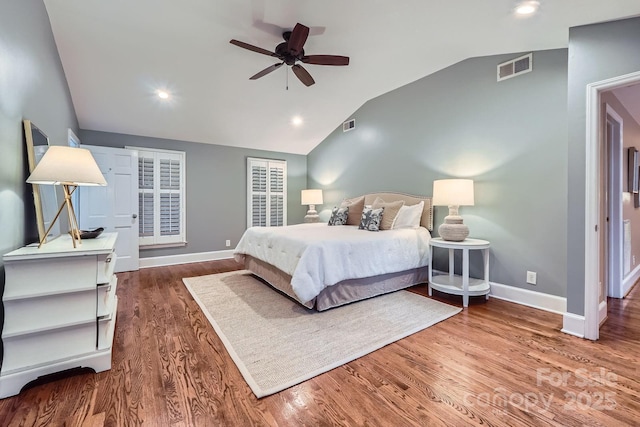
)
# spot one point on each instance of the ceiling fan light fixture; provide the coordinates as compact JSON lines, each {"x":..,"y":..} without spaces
{"x":527,"y":8}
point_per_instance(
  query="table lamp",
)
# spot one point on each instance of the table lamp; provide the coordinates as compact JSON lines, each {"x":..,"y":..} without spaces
{"x":311,"y":198}
{"x":70,"y":167}
{"x":453,"y":193}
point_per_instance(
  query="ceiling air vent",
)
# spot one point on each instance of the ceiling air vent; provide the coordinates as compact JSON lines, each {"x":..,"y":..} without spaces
{"x":515,"y":67}
{"x":348,"y":125}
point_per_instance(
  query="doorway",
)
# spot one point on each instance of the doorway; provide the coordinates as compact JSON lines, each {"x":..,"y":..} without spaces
{"x":593,"y":285}
{"x":611,"y":218}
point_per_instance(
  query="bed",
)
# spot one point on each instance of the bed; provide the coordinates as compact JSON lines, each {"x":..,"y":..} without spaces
{"x":322,"y":266}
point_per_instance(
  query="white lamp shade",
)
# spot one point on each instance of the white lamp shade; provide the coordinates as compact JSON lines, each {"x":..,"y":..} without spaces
{"x":67,"y":165}
{"x":311,"y":197}
{"x":453,"y":192}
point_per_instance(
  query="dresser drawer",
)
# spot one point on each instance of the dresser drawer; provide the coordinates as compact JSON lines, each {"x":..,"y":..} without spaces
{"x":48,"y":276}
{"x":106,"y":297}
{"x":26,"y":315}
{"x":31,"y":350}
{"x":106,"y":265}
{"x":107,"y":326}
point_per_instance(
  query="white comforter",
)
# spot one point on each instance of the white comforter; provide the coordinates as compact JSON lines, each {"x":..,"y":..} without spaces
{"x":318,"y":255}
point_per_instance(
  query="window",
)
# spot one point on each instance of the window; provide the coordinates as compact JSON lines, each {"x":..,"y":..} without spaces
{"x":161,"y":197}
{"x":266,"y":192}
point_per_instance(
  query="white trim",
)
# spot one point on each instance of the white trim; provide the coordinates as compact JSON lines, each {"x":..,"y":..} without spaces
{"x":592,"y":181}
{"x":72,"y":138}
{"x":161,"y":261}
{"x":539,"y":300}
{"x":573,"y":324}
{"x":602,"y":312}
{"x":630,"y":280}
{"x":615,"y":233}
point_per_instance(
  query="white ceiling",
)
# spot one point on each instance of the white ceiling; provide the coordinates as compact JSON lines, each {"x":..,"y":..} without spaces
{"x":117,"y":53}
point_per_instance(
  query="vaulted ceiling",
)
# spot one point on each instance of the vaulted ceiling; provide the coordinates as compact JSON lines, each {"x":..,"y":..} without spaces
{"x":117,"y":54}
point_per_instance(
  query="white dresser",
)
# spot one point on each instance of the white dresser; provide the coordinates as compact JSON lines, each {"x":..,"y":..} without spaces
{"x":60,"y":309}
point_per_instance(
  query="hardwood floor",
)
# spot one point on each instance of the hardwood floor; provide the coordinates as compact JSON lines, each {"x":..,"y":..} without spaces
{"x":495,"y":363}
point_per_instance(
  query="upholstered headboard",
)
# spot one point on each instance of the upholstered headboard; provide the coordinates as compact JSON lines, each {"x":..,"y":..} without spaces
{"x":427,"y":213}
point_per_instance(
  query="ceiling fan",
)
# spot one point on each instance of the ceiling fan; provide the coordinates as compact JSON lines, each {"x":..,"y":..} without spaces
{"x":291,"y":51}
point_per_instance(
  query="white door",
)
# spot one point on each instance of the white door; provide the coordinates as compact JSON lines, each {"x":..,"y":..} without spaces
{"x":114,"y":207}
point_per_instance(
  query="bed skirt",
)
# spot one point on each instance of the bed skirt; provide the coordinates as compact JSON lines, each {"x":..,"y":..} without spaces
{"x":343,"y":292}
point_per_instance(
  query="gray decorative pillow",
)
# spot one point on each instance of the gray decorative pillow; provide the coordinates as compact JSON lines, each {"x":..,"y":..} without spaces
{"x":371,"y":219}
{"x":339,"y":216}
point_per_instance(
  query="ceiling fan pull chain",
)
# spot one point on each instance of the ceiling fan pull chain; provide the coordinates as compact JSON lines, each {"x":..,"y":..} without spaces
{"x":287,"y":74}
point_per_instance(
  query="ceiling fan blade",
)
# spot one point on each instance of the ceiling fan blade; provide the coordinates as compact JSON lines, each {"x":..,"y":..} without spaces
{"x":297,"y":39}
{"x":252,"y":47}
{"x":303,"y":75}
{"x":325,"y":60}
{"x":266,"y":71}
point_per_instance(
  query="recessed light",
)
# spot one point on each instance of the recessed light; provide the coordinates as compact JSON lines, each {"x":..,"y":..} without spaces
{"x":162,"y":94}
{"x":296,"y":121}
{"x":527,"y":8}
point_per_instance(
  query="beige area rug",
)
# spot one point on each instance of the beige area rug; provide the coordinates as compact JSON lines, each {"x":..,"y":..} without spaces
{"x":276,"y":343}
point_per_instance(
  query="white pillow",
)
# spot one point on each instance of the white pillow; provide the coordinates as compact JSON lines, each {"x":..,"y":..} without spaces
{"x":409,"y":216}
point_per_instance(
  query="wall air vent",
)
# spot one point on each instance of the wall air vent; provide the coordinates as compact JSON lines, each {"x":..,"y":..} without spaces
{"x":348,"y":125}
{"x":515,"y":67}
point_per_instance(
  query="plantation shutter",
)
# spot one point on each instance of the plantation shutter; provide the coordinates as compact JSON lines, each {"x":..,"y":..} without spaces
{"x":266,"y":192}
{"x":161,"y":197}
{"x":145,"y":195}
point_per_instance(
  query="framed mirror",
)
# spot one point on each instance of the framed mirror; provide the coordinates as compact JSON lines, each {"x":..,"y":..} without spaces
{"x":44,"y":196}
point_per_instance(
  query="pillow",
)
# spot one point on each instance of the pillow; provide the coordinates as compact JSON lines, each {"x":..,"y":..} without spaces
{"x":355,"y":206}
{"x":409,"y":216}
{"x":371,"y":219}
{"x":390,"y":211}
{"x":338,"y":216}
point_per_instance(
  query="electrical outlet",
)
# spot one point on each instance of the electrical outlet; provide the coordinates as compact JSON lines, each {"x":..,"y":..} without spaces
{"x":228,"y":243}
{"x":531,"y":277}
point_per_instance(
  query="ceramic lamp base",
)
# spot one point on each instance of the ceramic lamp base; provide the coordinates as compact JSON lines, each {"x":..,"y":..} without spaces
{"x":312,"y":215}
{"x":453,"y":229}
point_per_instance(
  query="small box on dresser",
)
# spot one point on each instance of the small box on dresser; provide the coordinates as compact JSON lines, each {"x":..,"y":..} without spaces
{"x":60,"y":309}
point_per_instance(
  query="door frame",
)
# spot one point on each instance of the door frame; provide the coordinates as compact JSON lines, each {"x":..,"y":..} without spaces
{"x":616,"y":232}
{"x":611,"y":223}
{"x":592,"y":206}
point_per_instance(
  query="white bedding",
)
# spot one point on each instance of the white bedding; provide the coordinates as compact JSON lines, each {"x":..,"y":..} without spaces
{"x":318,"y":255}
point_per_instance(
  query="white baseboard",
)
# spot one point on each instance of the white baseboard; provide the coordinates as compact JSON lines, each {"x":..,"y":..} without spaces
{"x":602,"y":312}
{"x":552,"y":303}
{"x":185,"y":259}
{"x":630,"y":280}
{"x":573,"y":324}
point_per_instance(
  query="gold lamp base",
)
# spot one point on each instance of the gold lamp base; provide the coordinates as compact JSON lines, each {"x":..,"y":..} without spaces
{"x":73,"y":222}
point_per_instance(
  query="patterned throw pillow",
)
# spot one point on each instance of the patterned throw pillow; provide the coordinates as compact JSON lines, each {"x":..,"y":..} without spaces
{"x":371,"y":219}
{"x":339,"y":216}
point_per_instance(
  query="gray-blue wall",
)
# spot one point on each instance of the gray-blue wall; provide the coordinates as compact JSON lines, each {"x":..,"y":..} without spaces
{"x":509,"y":136}
{"x":216,"y":188}
{"x":32,"y":86}
{"x":596,"y":52}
